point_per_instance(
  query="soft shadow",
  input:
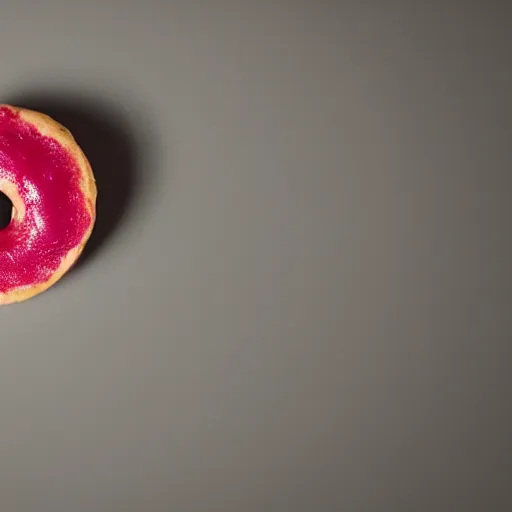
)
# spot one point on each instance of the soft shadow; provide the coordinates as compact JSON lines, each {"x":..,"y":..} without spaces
{"x":110,"y":144}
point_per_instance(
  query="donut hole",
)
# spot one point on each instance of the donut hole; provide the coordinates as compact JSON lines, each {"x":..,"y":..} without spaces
{"x":5,"y":210}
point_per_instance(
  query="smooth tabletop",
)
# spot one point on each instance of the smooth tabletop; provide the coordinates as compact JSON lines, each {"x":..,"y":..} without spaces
{"x":299,"y":295}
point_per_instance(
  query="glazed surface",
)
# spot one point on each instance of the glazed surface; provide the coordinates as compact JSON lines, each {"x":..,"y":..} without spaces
{"x":47,"y":180}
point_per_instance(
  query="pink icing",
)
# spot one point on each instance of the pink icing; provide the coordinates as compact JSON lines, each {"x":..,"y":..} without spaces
{"x":56,"y":218}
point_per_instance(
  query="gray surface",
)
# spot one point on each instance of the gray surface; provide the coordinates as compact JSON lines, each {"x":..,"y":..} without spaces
{"x":307,"y":302}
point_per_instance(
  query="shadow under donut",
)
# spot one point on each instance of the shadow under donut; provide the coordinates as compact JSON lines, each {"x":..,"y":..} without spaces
{"x":110,"y":144}
{"x":5,"y":210}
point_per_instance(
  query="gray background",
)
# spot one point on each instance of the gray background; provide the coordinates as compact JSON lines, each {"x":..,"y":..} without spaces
{"x":299,"y":295}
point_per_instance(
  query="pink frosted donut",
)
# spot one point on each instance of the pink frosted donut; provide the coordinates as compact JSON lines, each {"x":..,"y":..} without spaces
{"x":51,"y":186}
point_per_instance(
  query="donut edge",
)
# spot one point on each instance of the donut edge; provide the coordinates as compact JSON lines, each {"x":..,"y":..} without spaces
{"x":48,"y":127}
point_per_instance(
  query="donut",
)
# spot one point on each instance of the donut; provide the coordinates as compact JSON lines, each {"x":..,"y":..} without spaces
{"x":50,"y":183}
